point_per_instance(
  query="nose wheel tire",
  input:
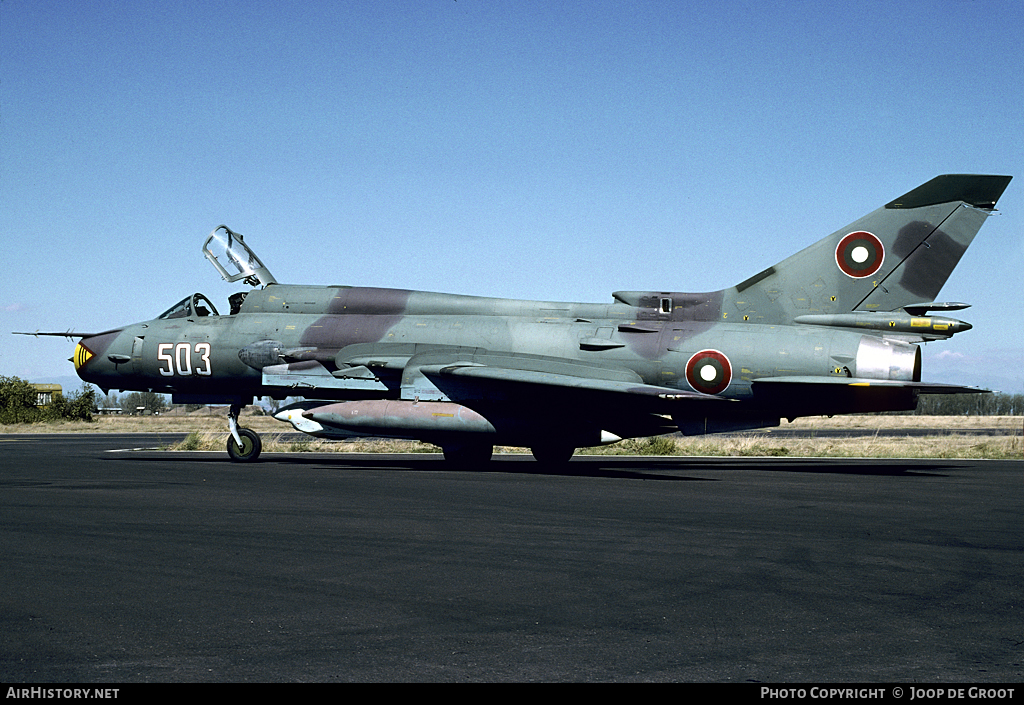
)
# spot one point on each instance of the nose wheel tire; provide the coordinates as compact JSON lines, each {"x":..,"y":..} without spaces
{"x":250,"y":448}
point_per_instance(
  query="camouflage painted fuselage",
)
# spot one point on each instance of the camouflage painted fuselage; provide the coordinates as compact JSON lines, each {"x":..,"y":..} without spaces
{"x":363,"y":343}
{"x":833,"y":329}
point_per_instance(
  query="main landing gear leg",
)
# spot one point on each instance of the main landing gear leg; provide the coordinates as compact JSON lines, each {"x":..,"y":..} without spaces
{"x":244,"y":445}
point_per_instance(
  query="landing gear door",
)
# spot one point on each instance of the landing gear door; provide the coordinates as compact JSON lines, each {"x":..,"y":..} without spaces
{"x":234,"y":260}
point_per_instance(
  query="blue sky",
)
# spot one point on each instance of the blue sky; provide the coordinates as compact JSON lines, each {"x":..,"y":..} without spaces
{"x":546,"y":150}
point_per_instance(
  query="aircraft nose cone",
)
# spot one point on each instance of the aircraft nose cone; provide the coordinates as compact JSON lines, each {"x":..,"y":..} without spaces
{"x":90,"y":359}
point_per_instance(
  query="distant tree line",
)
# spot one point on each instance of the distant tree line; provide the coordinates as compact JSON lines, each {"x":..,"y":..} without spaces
{"x":970,"y":405}
{"x":18,"y":403}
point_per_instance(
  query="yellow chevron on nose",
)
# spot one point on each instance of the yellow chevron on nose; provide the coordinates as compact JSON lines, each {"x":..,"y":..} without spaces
{"x":82,"y":355}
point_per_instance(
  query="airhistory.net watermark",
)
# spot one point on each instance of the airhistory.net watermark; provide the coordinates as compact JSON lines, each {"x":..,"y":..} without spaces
{"x":62,"y":693}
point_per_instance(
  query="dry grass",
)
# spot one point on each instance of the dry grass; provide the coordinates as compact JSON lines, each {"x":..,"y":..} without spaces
{"x":199,"y":421}
{"x":952,"y":446}
{"x":873,"y":446}
{"x":872,"y":422}
{"x":209,"y":432}
{"x":282,"y":443}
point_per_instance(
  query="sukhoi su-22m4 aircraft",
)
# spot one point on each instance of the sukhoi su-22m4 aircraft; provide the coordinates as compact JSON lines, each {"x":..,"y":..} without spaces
{"x":834,"y":329}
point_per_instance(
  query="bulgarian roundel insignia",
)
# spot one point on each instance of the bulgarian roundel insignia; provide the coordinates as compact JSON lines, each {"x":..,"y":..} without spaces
{"x":709,"y":372}
{"x":860,"y":254}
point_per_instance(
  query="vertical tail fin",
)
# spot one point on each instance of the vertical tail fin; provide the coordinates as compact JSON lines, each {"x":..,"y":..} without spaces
{"x":900,"y":254}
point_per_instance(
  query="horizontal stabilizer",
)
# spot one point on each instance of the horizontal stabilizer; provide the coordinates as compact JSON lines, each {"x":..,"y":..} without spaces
{"x":826,"y":396}
{"x":919,"y":387}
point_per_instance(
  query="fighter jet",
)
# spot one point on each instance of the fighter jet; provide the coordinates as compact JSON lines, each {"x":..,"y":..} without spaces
{"x":833,"y":329}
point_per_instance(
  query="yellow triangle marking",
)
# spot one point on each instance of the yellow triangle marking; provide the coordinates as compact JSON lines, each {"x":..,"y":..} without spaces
{"x":82,"y":355}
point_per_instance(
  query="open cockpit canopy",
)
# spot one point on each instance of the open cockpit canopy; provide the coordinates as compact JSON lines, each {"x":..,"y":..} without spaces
{"x":234,"y":259}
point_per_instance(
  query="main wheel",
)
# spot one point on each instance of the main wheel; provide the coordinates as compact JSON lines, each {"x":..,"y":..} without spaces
{"x":250,"y":448}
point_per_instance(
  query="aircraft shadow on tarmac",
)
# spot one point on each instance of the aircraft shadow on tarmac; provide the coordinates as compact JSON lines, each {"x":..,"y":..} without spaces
{"x":638,"y":468}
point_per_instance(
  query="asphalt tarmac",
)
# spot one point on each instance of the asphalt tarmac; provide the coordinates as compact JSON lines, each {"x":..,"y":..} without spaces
{"x":123,"y":567}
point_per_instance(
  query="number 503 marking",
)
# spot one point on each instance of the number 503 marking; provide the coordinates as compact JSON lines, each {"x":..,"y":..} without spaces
{"x":180,"y":361}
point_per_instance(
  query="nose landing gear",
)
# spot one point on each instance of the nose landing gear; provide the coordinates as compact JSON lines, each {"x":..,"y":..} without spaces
{"x":244,"y":444}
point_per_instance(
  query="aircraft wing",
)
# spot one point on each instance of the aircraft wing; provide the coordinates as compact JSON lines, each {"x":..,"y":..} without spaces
{"x":472,"y":374}
{"x":483,"y":382}
{"x":519,"y":397}
{"x":551,"y":393}
{"x":561,"y":401}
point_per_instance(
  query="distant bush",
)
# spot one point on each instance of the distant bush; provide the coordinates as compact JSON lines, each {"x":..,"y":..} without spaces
{"x":76,"y":407}
{"x":18,"y":404}
{"x":193,"y":441}
{"x":18,"y":401}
